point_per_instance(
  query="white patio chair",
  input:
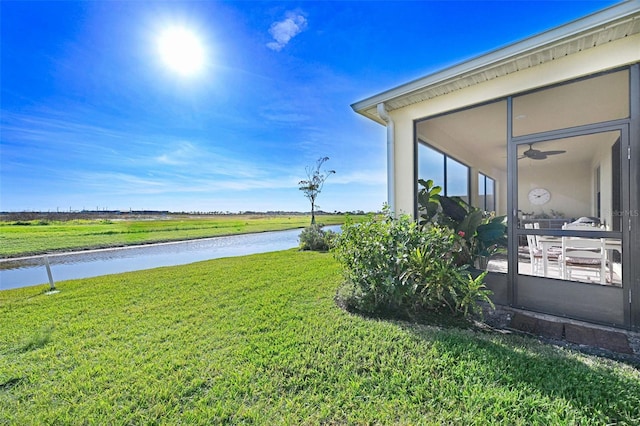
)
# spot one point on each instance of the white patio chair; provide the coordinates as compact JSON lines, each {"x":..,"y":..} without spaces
{"x":586,"y":254}
{"x":535,"y":253}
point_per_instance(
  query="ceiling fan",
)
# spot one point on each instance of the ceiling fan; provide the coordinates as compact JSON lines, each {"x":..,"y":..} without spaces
{"x":536,"y":154}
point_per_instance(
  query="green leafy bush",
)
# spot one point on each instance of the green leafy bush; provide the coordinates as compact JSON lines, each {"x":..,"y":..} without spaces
{"x":435,"y":278}
{"x":483,"y":234}
{"x":375,"y":253}
{"x":393,"y":263}
{"x":316,"y":239}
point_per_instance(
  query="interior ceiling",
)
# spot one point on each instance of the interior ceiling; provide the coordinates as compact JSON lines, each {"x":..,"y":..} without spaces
{"x":481,"y":132}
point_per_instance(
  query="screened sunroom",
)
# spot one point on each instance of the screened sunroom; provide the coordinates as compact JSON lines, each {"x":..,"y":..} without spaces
{"x":547,"y":133}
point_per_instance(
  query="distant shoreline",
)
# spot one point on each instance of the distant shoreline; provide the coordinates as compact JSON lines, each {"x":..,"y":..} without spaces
{"x":149,"y":215}
{"x":37,"y":237}
{"x":131,"y":246}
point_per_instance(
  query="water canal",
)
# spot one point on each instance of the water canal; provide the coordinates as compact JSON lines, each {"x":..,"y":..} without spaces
{"x":31,"y":271}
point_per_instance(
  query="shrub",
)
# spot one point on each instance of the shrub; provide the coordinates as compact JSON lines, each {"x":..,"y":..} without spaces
{"x":316,"y":239}
{"x":435,"y":278}
{"x":392,"y":263}
{"x":375,"y":253}
{"x":483,"y":234}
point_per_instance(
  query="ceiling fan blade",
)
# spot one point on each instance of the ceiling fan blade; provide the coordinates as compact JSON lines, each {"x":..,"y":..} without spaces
{"x":531,"y":152}
{"x":536,"y":154}
{"x":553,"y":152}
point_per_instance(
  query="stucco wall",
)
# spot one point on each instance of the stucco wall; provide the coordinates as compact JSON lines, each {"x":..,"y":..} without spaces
{"x":566,"y":196}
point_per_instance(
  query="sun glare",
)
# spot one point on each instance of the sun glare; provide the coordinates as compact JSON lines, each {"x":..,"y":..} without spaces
{"x":181,"y":50}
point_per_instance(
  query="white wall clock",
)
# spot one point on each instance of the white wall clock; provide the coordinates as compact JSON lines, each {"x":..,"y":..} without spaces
{"x":539,"y":196}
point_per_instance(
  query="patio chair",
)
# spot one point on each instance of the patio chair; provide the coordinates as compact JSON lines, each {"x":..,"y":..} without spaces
{"x":586,"y":254}
{"x":553,"y":252}
{"x":535,"y":253}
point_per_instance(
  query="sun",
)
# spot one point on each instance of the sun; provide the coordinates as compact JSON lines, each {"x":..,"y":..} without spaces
{"x":181,"y":50}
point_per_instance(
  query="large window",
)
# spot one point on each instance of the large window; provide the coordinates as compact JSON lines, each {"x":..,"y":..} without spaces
{"x":446,"y":172}
{"x":486,"y":193}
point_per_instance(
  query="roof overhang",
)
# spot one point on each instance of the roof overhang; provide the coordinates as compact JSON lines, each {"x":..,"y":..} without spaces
{"x":616,"y":22}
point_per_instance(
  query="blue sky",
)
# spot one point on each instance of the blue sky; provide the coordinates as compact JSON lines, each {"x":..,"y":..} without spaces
{"x":91,"y":117}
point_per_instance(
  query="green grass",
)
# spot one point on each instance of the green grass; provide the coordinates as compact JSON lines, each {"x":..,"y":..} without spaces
{"x":259,"y":339}
{"x":36,"y":237}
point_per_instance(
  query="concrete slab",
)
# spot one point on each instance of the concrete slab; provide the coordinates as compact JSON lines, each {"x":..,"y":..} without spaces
{"x":613,"y":341}
{"x":523,"y":323}
{"x":577,"y":334}
{"x":549,"y":329}
{"x":590,"y":338}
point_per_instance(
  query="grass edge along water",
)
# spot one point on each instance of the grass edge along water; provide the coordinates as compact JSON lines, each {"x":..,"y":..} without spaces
{"x":23,"y":238}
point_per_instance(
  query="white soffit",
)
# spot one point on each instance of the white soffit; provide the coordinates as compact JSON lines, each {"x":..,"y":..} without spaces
{"x":602,"y":27}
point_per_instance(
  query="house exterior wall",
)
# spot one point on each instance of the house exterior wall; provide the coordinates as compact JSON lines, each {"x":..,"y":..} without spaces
{"x":602,"y":58}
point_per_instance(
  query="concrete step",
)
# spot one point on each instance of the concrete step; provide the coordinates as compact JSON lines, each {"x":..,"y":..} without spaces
{"x":574,"y":332}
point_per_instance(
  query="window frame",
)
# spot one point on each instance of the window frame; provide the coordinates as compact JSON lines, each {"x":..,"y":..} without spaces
{"x":445,"y":157}
{"x":483,"y":195}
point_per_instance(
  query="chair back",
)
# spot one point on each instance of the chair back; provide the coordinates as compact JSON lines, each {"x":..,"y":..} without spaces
{"x":536,"y":225}
{"x":584,"y":253}
{"x":531,"y":241}
{"x":589,"y":248}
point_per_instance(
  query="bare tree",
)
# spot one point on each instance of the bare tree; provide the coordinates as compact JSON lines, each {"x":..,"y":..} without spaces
{"x":312,"y":186}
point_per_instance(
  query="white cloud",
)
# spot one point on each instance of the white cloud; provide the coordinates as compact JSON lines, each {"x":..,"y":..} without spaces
{"x":283,"y":31}
{"x":372,"y":177}
{"x":285,"y":117}
{"x":182,"y":155}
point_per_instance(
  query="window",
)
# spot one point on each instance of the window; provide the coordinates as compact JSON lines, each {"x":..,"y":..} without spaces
{"x":450,"y":174}
{"x":486,"y":193}
{"x":457,"y":179}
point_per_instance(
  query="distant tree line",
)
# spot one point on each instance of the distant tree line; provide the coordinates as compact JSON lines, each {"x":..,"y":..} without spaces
{"x":132,"y":214}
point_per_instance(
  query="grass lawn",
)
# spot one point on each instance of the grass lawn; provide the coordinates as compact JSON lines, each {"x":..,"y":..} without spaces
{"x":259,"y":339}
{"x":36,"y":237}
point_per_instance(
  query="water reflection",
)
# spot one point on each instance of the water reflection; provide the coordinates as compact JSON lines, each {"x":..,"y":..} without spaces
{"x":31,"y":271}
